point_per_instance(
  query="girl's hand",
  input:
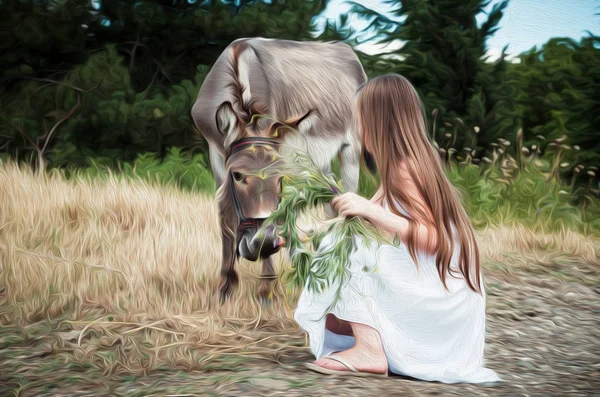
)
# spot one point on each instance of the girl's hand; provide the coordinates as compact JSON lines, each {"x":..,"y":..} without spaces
{"x":350,"y":204}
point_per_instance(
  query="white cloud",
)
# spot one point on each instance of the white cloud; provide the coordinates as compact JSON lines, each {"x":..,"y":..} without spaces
{"x":336,"y":8}
{"x":493,"y":54}
{"x":367,"y":45}
{"x":373,"y":48}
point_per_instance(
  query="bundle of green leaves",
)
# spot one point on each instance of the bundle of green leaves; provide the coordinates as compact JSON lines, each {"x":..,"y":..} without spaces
{"x":305,"y":186}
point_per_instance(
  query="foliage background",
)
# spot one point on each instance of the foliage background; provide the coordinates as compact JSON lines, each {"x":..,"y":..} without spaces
{"x":89,"y":87}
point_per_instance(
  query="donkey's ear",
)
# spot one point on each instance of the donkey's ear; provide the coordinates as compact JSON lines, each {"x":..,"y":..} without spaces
{"x":300,"y":124}
{"x":228,"y":122}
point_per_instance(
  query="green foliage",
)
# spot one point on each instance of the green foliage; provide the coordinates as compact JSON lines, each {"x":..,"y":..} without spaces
{"x":187,"y":172}
{"x":135,"y":66}
{"x":305,"y":187}
{"x":558,"y":95}
{"x":112,"y":121}
{"x":527,"y":198}
{"x":480,"y":195}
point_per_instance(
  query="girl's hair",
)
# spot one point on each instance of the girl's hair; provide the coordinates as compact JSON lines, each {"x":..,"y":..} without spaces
{"x":391,"y":114}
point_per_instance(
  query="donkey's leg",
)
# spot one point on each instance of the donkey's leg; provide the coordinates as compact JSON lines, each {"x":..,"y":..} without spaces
{"x":266,"y":281}
{"x":349,"y":157}
{"x":228,"y":221}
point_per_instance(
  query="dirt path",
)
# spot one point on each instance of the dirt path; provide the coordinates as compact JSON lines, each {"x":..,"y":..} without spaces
{"x":543,"y":339}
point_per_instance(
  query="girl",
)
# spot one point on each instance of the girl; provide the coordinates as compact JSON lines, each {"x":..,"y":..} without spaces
{"x":418,"y":309}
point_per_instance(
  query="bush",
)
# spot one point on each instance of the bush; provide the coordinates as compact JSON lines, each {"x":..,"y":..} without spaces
{"x":527,"y":198}
{"x":184,"y":170}
{"x":491,"y":193}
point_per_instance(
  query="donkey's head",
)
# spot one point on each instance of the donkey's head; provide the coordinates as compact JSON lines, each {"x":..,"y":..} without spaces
{"x":253,"y":179}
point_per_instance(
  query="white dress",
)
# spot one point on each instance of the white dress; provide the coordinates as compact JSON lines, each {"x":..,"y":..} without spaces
{"x":427,"y":332}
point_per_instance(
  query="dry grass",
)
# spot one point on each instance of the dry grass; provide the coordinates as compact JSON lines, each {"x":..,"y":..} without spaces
{"x":126,"y":275}
{"x":133,"y":269}
{"x":521,"y":246}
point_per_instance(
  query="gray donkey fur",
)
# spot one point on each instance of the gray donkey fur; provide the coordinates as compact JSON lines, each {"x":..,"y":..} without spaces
{"x":307,"y":85}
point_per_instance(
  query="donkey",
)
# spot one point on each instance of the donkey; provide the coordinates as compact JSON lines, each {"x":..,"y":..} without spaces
{"x":261,"y":96}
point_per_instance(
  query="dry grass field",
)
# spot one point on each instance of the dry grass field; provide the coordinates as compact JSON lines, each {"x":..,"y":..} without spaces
{"x":110,"y":288}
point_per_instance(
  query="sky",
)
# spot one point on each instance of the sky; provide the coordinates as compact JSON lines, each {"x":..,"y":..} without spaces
{"x":526,"y":23}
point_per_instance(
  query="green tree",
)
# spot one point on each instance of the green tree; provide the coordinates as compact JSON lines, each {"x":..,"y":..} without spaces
{"x":131,"y":69}
{"x":444,"y":57}
{"x":560,"y":97}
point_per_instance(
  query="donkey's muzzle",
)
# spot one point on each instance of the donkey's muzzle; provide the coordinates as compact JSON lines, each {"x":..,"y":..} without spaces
{"x":253,"y":245}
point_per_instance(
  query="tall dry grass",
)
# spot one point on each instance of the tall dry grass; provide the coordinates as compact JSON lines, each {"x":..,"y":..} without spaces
{"x":125,"y":274}
{"x":132,"y":268}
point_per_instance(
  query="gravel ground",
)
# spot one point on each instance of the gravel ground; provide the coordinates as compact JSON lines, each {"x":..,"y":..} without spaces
{"x":543,"y":339}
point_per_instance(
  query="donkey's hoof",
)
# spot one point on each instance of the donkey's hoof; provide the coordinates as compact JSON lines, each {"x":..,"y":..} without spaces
{"x":225,"y":293}
{"x":228,"y":285}
{"x":223,"y":297}
{"x":266,"y":301}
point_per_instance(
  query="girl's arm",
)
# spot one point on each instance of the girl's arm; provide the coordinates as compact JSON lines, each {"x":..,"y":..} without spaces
{"x":426,"y":235}
{"x":395,"y":225}
{"x":378,"y":195}
{"x":350,"y":204}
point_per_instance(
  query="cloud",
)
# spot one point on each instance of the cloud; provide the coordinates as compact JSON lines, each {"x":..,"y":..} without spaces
{"x":494,"y":53}
{"x":373,"y":48}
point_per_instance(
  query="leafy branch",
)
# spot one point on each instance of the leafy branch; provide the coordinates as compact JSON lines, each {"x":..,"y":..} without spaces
{"x":314,"y":266}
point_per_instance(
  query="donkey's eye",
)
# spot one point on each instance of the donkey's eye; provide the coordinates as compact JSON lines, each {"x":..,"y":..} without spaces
{"x":238,"y":176}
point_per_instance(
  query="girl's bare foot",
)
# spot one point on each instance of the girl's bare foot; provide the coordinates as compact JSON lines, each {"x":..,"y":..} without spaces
{"x":363,"y":360}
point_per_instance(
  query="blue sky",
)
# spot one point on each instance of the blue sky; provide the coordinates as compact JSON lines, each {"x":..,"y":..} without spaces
{"x":526,"y":23}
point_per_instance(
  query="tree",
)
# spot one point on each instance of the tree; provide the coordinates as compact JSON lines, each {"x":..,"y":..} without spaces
{"x":35,"y":118}
{"x":42,"y":38}
{"x":137,"y":66}
{"x":444,"y":57}
{"x":559,"y":98}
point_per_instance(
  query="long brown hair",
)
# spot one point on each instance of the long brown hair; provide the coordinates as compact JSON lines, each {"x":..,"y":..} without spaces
{"x":391,"y":117}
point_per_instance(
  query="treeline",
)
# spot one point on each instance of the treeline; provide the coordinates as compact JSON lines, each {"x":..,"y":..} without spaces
{"x":551,"y":94}
{"x":110,"y":80}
